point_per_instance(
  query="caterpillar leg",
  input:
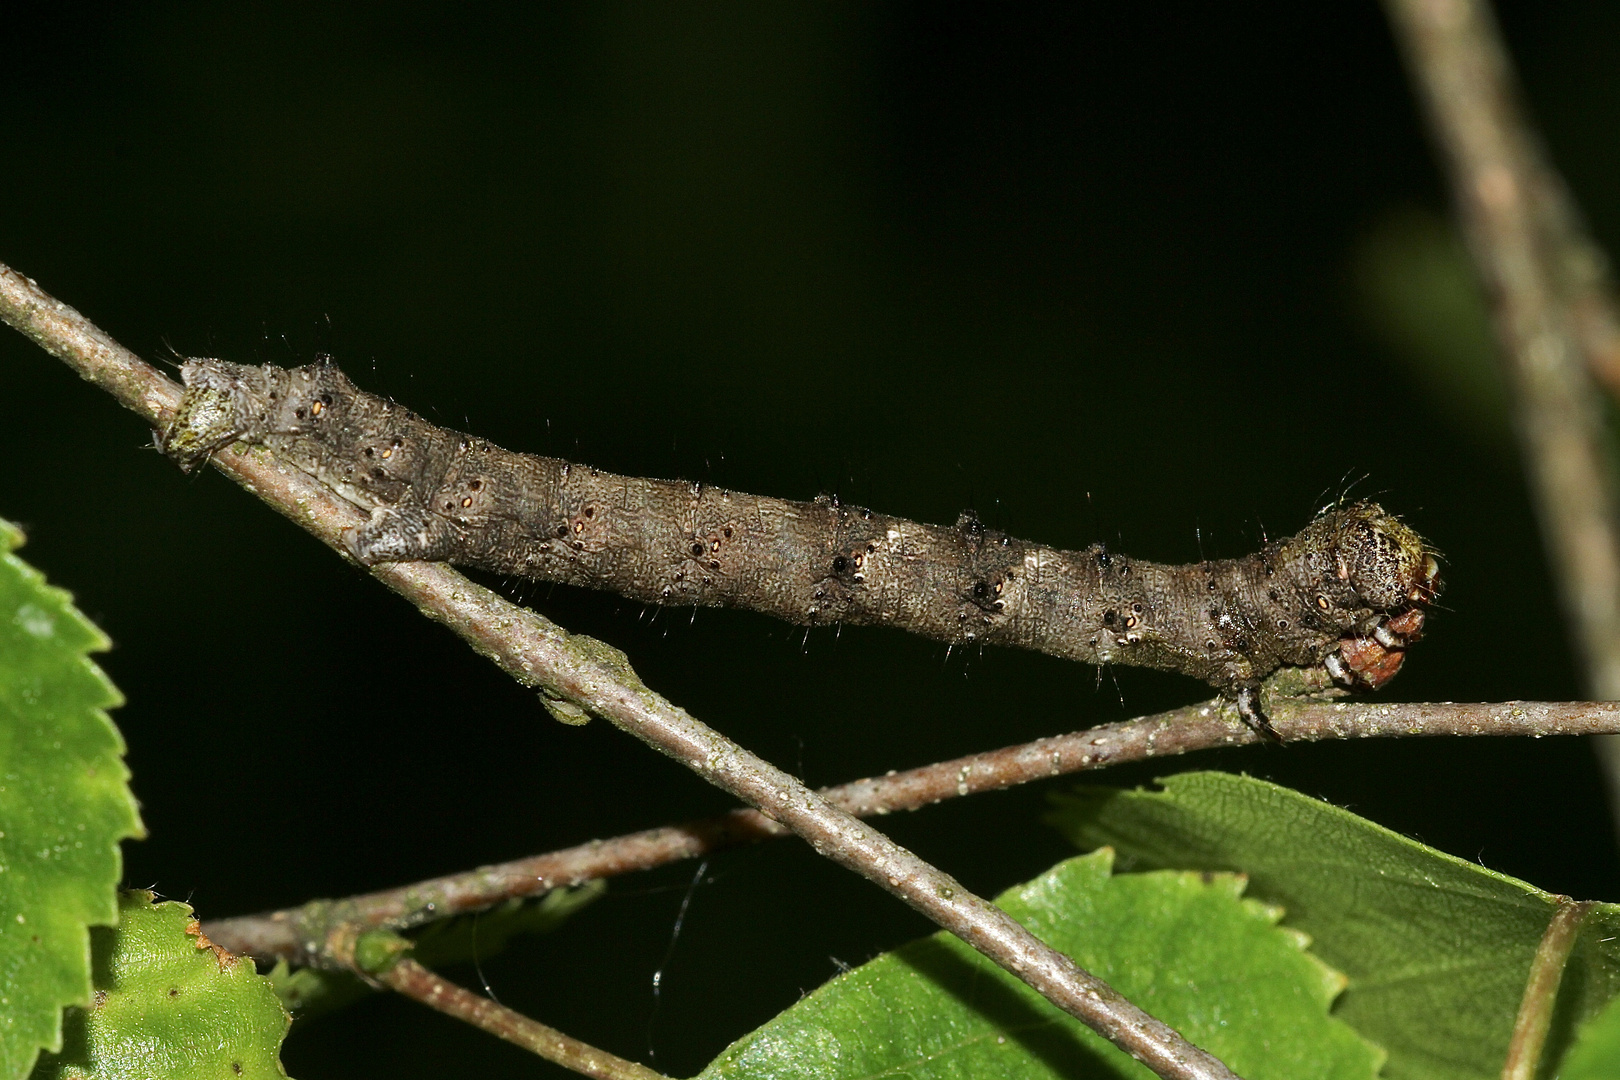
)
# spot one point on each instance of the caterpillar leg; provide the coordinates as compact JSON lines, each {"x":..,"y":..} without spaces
{"x":402,"y":535}
{"x":1248,"y":707}
{"x":1339,"y":669}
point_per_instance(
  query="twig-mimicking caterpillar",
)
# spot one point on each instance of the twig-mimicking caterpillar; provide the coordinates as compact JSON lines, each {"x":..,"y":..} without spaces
{"x":1348,"y":592}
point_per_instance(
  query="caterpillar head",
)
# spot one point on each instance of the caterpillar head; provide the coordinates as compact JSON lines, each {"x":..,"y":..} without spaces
{"x":1383,"y":576}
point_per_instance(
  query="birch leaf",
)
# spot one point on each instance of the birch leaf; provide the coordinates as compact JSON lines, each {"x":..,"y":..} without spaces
{"x":170,"y":1004}
{"x":1186,"y":947}
{"x":1596,"y":1053}
{"x":1436,"y":948}
{"x":64,"y":806}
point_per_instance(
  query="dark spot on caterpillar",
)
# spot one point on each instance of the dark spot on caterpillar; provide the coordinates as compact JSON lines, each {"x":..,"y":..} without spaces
{"x":697,"y":550}
{"x":981,"y":589}
{"x":714,"y":566}
{"x":477,"y":485}
{"x":368,"y":451}
{"x":1212,"y":585}
{"x":1103,"y":558}
{"x":1273,"y":594}
{"x":562,"y":532}
{"x":726,"y":532}
{"x":840,"y":564}
{"x":1109,"y":616}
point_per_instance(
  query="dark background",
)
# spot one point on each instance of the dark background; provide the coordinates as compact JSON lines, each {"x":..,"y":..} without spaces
{"x":1150,"y":274}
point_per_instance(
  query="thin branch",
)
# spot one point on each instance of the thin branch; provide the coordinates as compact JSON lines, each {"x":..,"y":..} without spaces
{"x":297,"y":935}
{"x":1541,"y":990}
{"x":598,"y":679}
{"x":436,"y":992}
{"x":1549,"y":294}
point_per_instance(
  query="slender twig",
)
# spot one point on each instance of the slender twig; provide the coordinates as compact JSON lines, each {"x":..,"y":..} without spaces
{"x":435,"y":991}
{"x":1524,"y":236}
{"x":597,"y":679}
{"x":1541,"y":990}
{"x":297,"y":935}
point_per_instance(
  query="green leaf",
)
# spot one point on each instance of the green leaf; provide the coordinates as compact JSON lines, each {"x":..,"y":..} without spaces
{"x":1596,"y":1053}
{"x":64,"y":805}
{"x":171,"y":1004}
{"x":1186,"y":947}
{"x":1437,"y":949}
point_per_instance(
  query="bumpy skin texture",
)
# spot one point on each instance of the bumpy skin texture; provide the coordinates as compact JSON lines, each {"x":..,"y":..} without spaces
{"x":1348,"y":591}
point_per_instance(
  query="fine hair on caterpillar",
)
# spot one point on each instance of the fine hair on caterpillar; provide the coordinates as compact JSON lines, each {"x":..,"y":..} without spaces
{"x":1347,"y":593}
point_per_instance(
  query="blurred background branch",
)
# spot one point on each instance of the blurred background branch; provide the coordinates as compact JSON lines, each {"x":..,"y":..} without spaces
{"x":1552,"y":304}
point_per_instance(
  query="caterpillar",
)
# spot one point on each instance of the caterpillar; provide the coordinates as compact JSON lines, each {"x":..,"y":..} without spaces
{"x":1348,"y":592}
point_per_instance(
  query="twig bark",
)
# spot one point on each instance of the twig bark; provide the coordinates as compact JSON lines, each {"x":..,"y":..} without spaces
{"x":436,"y":992}
{"x":1551,"y":299}
{"x":1541,"y":990}
{"x":596,"y":678}
{"x":299,"y":935}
